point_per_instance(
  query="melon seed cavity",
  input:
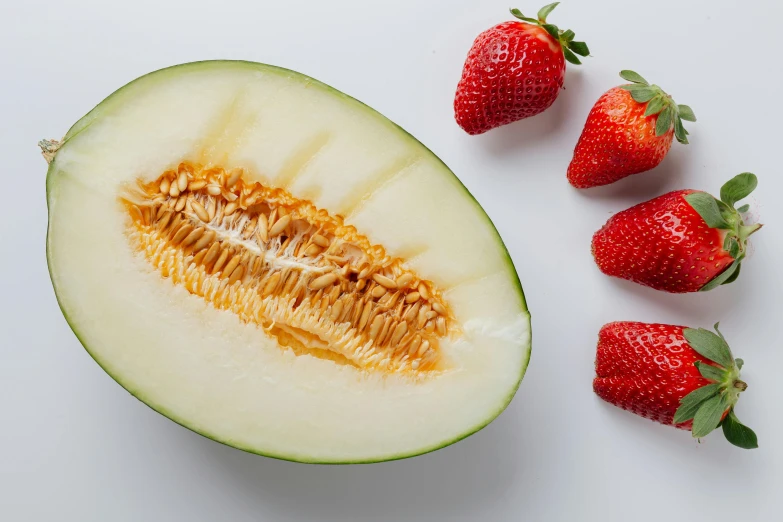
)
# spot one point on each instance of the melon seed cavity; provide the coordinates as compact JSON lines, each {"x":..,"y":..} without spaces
{"x":313,"y":283}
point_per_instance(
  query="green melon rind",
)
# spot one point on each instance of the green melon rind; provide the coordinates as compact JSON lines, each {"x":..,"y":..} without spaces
{"x":162,"y":74}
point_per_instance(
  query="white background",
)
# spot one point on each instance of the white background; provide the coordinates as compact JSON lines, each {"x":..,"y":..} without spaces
{"x":74,"y":446}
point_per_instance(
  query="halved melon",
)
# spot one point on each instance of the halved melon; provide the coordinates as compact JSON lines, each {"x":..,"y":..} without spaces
{"x":278,"y":267}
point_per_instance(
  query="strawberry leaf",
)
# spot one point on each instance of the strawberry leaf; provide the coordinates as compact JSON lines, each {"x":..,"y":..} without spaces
{"x":655,"y":105}
{"x":641,"y":93}
{"x":686,"y":113}
{"x":739,"y":362}
{"x":708,"y":415}
{"x":733,"y":277}
{"x":680,"y":132}
{"x":709,"y":345}
{"x":716,"y":326}
{"x":664,"y":122}
{"x":743,"y":209}
{"x":707,"y":207}
{"x":737,"y":188}
{"x":710,"y":372}
{"x":734,"y":248}
{"x":729,"y":213}
{"x":689,"y":404}
{"x":518,"y":14}
{"x":544,"y":11}
{"x":579,"y":48}
{"x":553,"y":31}
{"x":567,"y":36}
{"x":725,"y":277}
{"x":633,"y":77}
{"x":570,"y":57}
{"x":737,"y":433}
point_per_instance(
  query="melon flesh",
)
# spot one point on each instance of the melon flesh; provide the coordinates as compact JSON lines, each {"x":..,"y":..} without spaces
{"x":258,"y":365}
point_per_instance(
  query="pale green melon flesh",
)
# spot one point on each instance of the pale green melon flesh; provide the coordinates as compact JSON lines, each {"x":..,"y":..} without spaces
{"x":229,"y":380}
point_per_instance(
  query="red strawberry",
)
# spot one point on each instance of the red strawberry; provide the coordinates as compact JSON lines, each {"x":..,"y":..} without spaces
{"x":683,"y":241}
{"x":513,"y":71}
{"x":681,"y":377}
{"x":629,"y":130}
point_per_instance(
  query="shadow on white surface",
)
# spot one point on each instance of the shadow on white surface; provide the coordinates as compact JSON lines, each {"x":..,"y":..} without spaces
{"x":701,"y":309}
{"x":457,"y":481}
{"x":640,"y":435}
{"x":529,"y":134}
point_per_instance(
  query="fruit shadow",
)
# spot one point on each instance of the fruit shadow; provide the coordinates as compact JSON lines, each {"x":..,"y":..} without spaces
{"x":696,"y":309}
{"x":459,"y":481}
{"x":700,"y":460}
{"x":530,"y":132}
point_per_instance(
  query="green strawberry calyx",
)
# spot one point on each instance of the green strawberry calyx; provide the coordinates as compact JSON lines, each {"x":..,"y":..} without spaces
{"x":565,"y":38}
{"x":712,"y":405}
{"x":660,"y":103}
{"x":722,"y":214}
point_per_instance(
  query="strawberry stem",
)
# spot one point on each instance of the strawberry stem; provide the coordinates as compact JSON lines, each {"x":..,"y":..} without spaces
{"x":712,"y":405}
{"x":745,"y":231}
{"x":570,"y":47}
{"x":660,"y":104}
{"x":722,"y":214}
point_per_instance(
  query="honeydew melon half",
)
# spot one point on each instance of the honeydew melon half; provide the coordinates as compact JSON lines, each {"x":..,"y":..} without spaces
{"x":280,"y":268}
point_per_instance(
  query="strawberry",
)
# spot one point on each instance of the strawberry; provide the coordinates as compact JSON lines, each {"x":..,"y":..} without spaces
{"x":513,"y":71}
{"x":678,"y":376}
{"x":629,"y":130}
{"x":683,"y":241}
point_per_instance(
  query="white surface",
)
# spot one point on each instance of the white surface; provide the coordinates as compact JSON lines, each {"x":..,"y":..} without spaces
{"x":75,"y":446}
